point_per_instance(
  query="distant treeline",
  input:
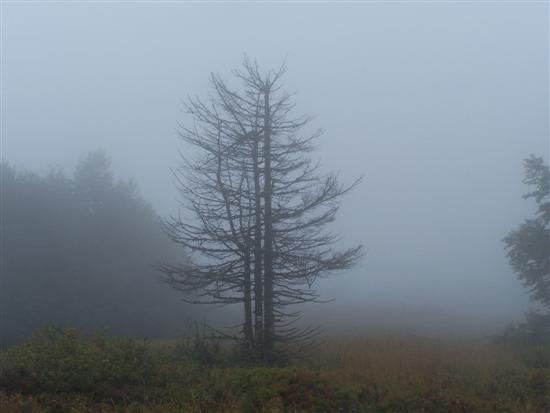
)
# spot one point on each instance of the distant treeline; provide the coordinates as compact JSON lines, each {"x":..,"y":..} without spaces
{"x":82,"y":250}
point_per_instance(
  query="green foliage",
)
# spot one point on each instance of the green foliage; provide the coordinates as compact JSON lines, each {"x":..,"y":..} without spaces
{"x":528,"y":248}
{"x":61,"y":360}
{"x":290,"y":389}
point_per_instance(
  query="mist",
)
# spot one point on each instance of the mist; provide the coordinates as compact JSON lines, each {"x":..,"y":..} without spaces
{"x":435,"y":105}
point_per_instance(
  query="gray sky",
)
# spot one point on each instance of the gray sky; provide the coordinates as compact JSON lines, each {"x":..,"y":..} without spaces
{"x":436,"y":104}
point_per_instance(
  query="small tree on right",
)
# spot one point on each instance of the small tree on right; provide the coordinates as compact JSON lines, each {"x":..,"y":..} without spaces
{"x":528,"y":247}
{"x":528,"y":251}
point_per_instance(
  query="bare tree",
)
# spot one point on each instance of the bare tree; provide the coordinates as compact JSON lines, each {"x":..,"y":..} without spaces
{"x":215,"y":189}
{"x":259,"y":207}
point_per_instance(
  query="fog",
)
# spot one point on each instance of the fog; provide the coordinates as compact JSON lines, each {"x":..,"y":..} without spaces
{"x":435,"y":104}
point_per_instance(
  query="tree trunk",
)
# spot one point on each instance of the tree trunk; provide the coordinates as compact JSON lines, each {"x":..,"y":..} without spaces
{"x":258,"y":282}
{"x":248,"y":335}
{"x":268,"y":239}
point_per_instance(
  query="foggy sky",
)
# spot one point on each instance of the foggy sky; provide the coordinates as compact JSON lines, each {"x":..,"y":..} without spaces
{"x":435,"y":104}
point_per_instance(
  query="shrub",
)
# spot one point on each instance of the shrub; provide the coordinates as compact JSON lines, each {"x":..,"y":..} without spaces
{"x":61,"y":360}
{"x":200,"y":350}
{"x":534,"y":330}
{"x":290,"y":390}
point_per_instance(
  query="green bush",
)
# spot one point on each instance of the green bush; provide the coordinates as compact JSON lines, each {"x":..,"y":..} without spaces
{"x":61,"y":360}
{"x":289,"y":390}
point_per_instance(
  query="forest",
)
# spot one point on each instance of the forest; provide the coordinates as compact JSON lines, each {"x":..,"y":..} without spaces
{"x":90,"y":261}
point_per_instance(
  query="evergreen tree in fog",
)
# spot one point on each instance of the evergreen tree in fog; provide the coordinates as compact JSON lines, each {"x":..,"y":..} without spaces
{"x":82,"y":251}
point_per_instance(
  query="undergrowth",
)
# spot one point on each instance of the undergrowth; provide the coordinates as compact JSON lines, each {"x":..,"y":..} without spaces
{"x":60,"y":370}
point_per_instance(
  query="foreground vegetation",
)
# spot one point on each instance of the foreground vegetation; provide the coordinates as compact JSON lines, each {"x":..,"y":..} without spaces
{"x":59,"y":370}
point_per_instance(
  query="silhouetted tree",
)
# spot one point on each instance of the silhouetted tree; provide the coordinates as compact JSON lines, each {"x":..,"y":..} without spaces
{"x":528,"y":251}
{"x":529,"y":246}
{"x":254,"y":192}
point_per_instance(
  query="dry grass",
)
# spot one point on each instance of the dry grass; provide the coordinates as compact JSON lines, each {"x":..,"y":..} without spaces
{"x":390,"y":357}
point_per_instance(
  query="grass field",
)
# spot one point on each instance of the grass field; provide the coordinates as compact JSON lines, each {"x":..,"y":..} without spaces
{"x":61,"y":371}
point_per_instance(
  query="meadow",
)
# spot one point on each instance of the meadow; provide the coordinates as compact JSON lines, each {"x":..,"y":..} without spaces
{"x":61,"y":370}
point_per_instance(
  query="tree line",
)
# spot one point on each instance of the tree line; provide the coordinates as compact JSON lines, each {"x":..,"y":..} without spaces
{"x":82,"y":250}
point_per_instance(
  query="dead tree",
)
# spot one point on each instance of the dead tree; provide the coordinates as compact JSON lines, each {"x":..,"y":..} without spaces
{"x":260,"y":208}
{"x":298,"y":203}
{"x":216,"y":194}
